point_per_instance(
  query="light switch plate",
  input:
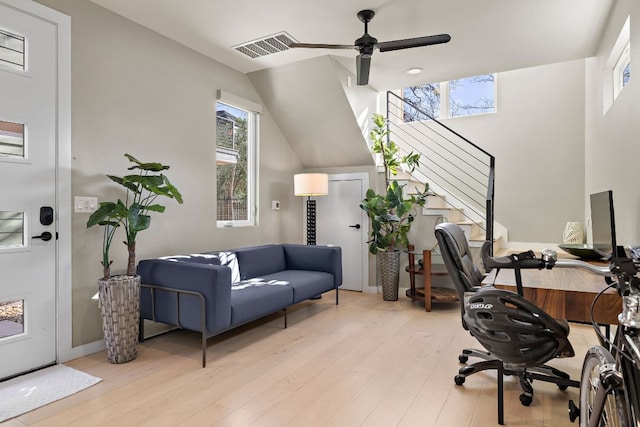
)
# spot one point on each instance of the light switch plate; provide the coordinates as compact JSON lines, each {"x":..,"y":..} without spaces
{"x":82,"y":204}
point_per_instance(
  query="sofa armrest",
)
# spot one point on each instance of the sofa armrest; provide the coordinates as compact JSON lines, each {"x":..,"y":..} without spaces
{"x":315,"y":258}
{"x":212,"y":281}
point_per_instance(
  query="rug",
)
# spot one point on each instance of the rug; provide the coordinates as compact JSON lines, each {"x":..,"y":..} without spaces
{"x":28,"y":392}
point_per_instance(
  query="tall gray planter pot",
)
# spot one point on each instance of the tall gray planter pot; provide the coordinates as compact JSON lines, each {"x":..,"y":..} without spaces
{"x":389,"y":274}
{"x":119,"y":301}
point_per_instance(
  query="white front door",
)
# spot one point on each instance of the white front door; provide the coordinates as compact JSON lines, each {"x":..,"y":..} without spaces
{"x":28,"y":233}
{"x":341,"y":222}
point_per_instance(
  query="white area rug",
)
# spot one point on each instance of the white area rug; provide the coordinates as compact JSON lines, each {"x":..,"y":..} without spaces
{"x":28,"y":392}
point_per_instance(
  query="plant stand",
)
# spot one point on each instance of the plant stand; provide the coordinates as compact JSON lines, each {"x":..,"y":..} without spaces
{"x":427,"y":293}
{"x":389,"y":274}
{"x":119,"y":301}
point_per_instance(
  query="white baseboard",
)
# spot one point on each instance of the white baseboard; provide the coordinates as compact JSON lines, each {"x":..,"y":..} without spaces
{"x":82,"y":350}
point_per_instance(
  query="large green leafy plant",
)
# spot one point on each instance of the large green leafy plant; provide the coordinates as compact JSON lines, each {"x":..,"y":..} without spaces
{"x":391,"y":214}
{"x":142,"y":190}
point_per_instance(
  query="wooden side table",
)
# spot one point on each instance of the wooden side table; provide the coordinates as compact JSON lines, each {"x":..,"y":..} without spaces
{"x":427,"y":293}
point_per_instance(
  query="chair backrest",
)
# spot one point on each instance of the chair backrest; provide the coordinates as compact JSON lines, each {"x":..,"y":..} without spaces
{"x":457,"y":258}
{"x":515,"y":330}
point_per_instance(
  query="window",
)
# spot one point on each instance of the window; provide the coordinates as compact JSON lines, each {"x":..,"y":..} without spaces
{"x":11,"y":139}
{"x":616,"y":74}
{"x":622,"y":71}
{"x":11,"y":50}
{"x":462,"y":97}
{"x":12,"y":227}
{"x":236,"y":170}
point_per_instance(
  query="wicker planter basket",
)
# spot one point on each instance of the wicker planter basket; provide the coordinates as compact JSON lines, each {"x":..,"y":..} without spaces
{"x":389,"y":274}
{"x":119,"y":301}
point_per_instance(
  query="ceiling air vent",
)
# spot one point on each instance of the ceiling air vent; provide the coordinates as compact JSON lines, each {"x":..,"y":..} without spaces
{"x":265,"y":45}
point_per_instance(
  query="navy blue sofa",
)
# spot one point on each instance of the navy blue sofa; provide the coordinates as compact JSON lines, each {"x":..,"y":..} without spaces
{"x":217,"y":291}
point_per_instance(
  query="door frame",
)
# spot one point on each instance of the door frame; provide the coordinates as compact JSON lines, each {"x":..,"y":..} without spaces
{"x":63,"y":204}
{"x":364,"y":220}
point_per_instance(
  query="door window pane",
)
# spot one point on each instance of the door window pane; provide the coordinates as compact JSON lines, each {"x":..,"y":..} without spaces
{"x":11,"y":139}
{"x":11,"y":50}
{"x":11,"y":318}
{"x":11,"y":229}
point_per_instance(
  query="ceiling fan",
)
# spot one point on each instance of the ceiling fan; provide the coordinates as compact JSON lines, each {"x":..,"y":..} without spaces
{"x":366,"y":44}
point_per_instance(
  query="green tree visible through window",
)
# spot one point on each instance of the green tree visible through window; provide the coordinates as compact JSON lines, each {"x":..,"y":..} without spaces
{"x":232,"y":163}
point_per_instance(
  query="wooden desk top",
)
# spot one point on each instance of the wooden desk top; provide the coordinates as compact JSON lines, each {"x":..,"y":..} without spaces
{"x":566,"y":279}
{"x":564,"y":293}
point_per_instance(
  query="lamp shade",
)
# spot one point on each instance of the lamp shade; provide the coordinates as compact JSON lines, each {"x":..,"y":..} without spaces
{"x":311,"y":184}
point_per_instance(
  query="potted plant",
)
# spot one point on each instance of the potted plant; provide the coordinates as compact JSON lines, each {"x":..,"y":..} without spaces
{"x":392,"y":213}
{"x":119,"y":296}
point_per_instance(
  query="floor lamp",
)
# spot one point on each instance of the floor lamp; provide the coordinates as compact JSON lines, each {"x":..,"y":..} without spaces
{"x":311,"y":184}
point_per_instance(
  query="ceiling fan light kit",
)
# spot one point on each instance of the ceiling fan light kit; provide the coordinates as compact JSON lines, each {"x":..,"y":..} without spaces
{"x":366,"y":44}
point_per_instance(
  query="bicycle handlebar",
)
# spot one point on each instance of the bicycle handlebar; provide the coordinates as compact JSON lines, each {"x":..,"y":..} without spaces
{"x":575,"y":263}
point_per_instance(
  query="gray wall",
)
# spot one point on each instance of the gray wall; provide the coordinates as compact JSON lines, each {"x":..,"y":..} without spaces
{"x":134,"y":91}
{"x":612,"y":158}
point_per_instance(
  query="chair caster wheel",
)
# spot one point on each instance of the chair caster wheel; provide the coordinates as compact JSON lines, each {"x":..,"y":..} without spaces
{"x":574,"y":411}
{"x":463,"y":358}
{"x":563,"y":387}
{"x":525,"y":399}
{"x":459,"y":379}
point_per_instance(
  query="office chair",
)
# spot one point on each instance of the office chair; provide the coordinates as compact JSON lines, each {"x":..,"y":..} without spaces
{"x":467,"y":280}
{"x":521,"y":336}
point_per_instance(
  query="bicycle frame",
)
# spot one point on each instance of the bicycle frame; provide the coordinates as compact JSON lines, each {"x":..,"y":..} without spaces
{"x":622,"y":378}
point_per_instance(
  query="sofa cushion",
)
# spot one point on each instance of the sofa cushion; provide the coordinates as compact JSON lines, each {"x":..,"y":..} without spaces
{"x":316,"y":258}
{"x":305,"y":284}
{"x":260,"y":260}
{"x":254,"y":298}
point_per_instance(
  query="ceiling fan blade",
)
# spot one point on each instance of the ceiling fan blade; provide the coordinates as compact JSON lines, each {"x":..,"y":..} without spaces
{"x":322,"y":46}
{"x":414,"y":42}
{"x":363,"y":64}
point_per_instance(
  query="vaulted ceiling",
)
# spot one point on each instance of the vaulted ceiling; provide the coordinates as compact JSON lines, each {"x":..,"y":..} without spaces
{"x":487,"y":36}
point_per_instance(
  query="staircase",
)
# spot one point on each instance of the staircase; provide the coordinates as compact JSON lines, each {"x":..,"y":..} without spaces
{"x":460,"y":174}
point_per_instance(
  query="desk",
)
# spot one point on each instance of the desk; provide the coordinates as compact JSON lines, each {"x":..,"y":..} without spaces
{"x":564,"y":293}
{"x":427,"y":293}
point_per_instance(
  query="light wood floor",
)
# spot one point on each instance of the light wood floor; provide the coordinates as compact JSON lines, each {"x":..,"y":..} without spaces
{"x":366,"y":362}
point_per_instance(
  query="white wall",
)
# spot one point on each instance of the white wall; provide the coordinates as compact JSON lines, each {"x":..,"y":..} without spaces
{"x":134,"y":91}
{"x":537,"y":138}
{"x":612,"y":138}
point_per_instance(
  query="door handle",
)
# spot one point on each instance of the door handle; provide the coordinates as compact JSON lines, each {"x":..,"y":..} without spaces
{"x":357,"y":226}
{"x":45,"y":236}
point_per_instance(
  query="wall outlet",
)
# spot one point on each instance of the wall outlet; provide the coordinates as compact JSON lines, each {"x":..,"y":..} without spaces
{"x":275,"y":205}
{"x":83,"y":204}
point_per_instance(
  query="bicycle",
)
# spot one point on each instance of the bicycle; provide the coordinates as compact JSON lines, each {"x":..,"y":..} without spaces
{"x":610,"y":379}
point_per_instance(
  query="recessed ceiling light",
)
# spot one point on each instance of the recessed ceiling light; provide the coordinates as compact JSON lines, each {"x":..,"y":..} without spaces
{"x":414,"y":70}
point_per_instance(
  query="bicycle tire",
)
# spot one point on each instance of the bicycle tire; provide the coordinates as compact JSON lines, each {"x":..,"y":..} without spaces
{"x":613,"y":413}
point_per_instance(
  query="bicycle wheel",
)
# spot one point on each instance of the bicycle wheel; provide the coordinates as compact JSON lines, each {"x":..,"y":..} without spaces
{"x":613,"y":413}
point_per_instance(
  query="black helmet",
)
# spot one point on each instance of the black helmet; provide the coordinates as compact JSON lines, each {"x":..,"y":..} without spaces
{"x":515,"y":330}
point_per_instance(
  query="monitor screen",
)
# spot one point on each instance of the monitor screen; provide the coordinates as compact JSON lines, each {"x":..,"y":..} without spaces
{"x":603,"y":225}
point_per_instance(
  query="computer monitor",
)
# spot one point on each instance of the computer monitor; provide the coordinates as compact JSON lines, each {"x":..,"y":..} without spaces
{"x":603,"y":225}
